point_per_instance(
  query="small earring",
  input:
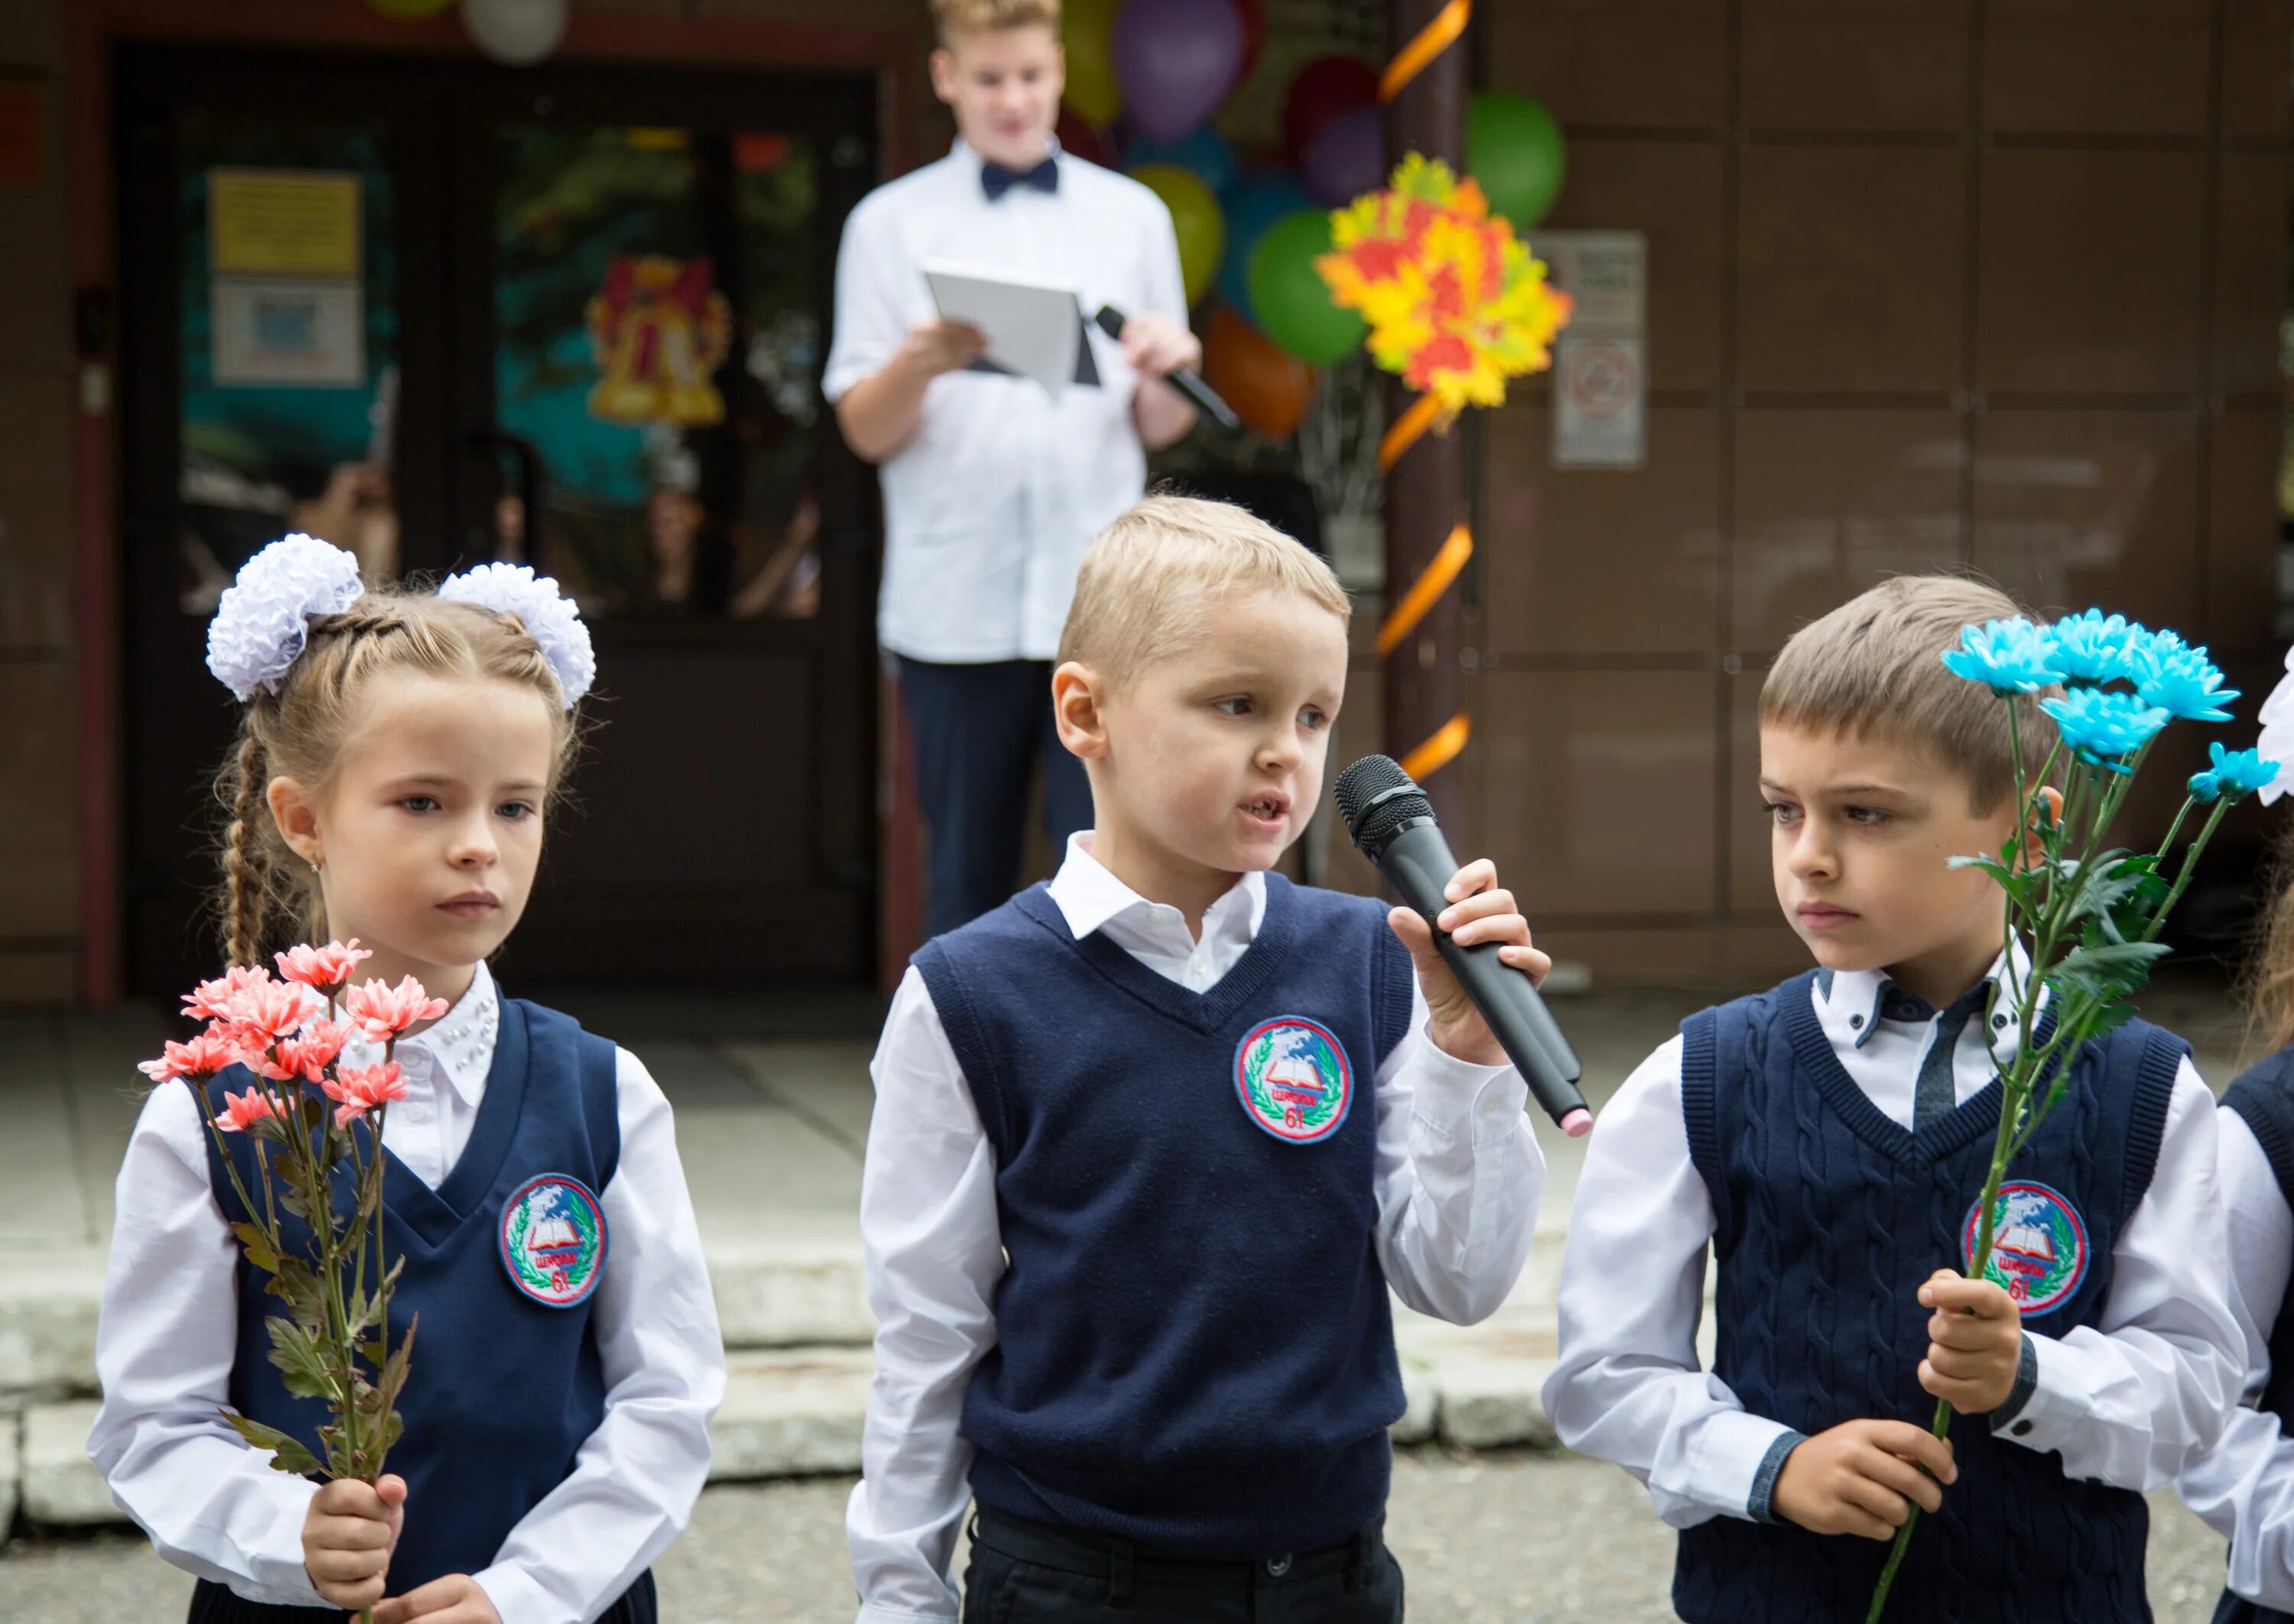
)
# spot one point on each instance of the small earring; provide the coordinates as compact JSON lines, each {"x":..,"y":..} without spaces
{"x":318,"y":865}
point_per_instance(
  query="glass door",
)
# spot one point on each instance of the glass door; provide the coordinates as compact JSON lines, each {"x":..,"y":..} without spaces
{"x":440,"y":315}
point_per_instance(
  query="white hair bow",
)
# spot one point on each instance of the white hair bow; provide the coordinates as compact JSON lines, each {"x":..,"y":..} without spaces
{"x":2277,"y":741}
{"x":551,"y":618}
{"x":263,"y":619}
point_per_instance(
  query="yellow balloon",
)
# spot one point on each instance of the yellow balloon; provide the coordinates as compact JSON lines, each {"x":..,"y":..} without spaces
{"x":1195,"y":219}
{"x":1087,"y":30}
{"x":410,"y":10}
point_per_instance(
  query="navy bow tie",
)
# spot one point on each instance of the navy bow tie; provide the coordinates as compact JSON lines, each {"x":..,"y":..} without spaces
{"x":996,"y":180}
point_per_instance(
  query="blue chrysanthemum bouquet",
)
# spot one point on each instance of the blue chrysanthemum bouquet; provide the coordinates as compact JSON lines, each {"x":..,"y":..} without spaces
{"x":2090,"y":917}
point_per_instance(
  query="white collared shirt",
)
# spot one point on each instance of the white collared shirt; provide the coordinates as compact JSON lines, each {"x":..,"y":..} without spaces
{"x":990,"y":502}
{"x":169,"y":1335}
{"x":2128,"y":1401}
{"x":1458,"y":1179}
{"x":2243,"y":1488}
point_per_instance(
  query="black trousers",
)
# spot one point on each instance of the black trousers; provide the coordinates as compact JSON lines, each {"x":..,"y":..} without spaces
{"x":1024,"y":1573}
{"x":214,"y":1603}
{"x":978,"y":730}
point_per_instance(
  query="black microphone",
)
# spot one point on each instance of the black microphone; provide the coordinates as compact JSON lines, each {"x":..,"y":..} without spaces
{"x":1391,"y":824}
{"x":1204,"y":398}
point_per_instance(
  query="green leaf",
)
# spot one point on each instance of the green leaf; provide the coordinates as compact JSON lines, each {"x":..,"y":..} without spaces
{"x":2105,"y":973}
{"x":257,"y":1245}
{"x":295,"y":1351}
{"x":2110,"y":1018}
{"x":287,"y":1454}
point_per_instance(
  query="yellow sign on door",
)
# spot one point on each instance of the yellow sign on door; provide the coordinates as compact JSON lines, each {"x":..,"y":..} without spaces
{"x":284,"y":221}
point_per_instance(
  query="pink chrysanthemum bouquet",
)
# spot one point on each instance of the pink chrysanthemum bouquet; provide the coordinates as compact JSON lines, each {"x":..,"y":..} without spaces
{"x":315,"y":1223}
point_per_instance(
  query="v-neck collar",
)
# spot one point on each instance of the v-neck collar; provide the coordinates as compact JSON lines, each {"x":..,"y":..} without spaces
{"x":1954,"y":1130}
{"x":1204,"y":1011}
{"x":434,"y":1215}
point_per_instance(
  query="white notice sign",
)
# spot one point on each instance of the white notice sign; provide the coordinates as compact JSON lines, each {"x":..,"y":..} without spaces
{"x":1600,"y":362}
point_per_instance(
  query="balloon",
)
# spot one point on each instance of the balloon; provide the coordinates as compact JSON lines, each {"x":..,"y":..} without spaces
{"x":1203,"y":154}
{"x":1513,"y":148}
{"x":1081,"y":140}
{"x":518,"y":32}
{"x":1176,"y":60}
{"x":1253,"y":13}
{"x":1348,"y":158}
{"x":1291,"y":300}
{"x":1268,"y":389}
{"x":1320,"y":92}
{"x":410,"y":10}
{"x":1195,"y":220}
{"x":1087,"y":30}
{"x":1256,"y":202}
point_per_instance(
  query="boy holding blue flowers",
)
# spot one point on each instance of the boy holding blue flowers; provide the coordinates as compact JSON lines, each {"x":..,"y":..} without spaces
{"x":1829,"y":1138}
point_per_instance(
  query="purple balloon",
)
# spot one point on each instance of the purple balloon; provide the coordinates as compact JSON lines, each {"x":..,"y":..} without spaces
{"x":1347,"y":159}
{"x":1176,"y":60}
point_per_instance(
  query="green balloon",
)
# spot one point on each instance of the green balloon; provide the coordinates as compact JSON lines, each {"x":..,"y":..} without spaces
{"x":1289,"y":298}
{"x":1513,"y":148}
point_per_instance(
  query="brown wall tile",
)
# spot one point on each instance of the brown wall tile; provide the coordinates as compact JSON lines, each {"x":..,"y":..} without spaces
{"x":2249,"y":271}
{"x":1614,"y":61}
{"x":42,"y":978}
{"x":1894,"y":65}
{"x":2254,"y":89}
{"x":2090,"y":271}
{"x":36,"y":560}
{"x":1751,"y":888}
{"x":1628,"y":956}
{"x":1597,"y":795}
{"x":2098,"y":67}
{"x":39,"y":800}
{"x":32,"y":33}
{"x":2243,"y":544}
{"x":1851,"y":269}
{"x":1671,"y":191}
{"x":1598,"y":560}
{"x":2093,"y":508}
{"x":35,"y":252}
{"x":1831,"y":502}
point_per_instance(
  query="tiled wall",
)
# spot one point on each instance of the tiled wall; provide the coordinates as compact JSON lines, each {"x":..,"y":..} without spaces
{"x":39,"y":752}
{"x":1934,"y":283}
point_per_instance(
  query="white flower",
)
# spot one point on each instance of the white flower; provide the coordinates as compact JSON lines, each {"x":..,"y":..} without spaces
{"x":553,"y":621}
{"x":263,"y":619}
{"x":2277,"y":741}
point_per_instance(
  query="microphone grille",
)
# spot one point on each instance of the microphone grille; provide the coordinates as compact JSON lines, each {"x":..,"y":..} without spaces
{"x":1363,"y":783}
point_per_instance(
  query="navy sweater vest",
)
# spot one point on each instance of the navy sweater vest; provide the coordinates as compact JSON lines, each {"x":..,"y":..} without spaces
{"x":1193,"y":1346}
{"x":1827,"y":1217}
{"x":503,"y":1390}
{"x":2264,"y":1098}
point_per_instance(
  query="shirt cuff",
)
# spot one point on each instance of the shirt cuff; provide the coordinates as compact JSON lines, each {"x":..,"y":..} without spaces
{"x":276,"y":1564}
{"x":2046,"y":1406}
{"x":900,"y":1615}
{"x":518,"y":1596}
{"x":1760,"y":1504}
{"x":1462,"y":1100}
{"x":1735,"y":1461}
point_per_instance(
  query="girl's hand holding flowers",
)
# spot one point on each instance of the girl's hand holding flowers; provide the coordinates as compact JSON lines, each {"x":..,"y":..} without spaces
{"x":455,"y":1599}
{"x":348,"y":1535}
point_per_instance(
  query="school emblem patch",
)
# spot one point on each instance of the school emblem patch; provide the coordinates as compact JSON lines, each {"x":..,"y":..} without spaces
{"x":2039,"y":1245}
{"x":553,"y":1239}
{"x":1294,"y":1079}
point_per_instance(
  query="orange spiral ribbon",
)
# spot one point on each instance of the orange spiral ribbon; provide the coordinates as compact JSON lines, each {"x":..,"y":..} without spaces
{"x":1441,"y":571}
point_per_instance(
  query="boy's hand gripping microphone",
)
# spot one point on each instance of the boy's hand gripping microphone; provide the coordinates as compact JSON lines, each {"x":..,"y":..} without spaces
{"x":1392,"y":823}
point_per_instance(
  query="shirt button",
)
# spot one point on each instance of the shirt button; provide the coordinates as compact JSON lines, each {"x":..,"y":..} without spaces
{"x":1999,"y":1023}
{"x":2022,"y":1429}
{"x":1277,"y":1566}
{"x":1856,"y":1020}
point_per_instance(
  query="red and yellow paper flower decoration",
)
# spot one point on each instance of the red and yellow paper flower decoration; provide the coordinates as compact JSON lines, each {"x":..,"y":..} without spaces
{"x":1455,"y":303}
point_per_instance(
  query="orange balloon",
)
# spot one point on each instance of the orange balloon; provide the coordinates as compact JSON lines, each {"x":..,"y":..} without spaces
{"x":1267,"y":386}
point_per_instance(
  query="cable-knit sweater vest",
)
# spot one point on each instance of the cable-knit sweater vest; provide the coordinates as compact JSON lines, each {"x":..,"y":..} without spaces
{"x":1828,"y":1216}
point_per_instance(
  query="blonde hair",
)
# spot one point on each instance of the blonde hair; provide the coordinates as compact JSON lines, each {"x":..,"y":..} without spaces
{"x":1146,"y":580}
{"x":2267,"y":984}
{"x":300,"y":732}
{"x":952,"y":19}
{"x":1874,"y":668}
